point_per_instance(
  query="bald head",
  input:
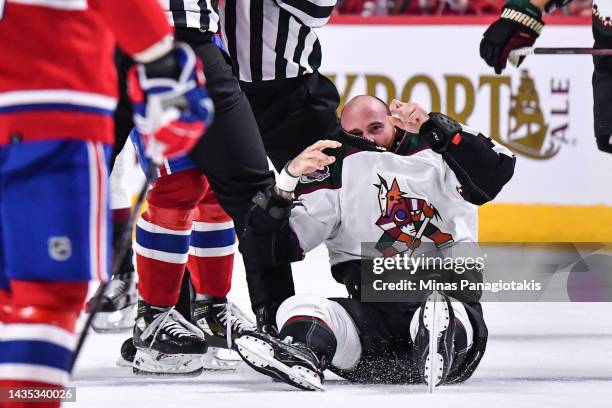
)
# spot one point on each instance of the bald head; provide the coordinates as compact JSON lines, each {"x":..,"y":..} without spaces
{"x":364,"y":104}
{"x":366,"y":116}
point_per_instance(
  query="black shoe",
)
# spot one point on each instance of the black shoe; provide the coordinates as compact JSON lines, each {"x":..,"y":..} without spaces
{"x":266,"y":319}
{"x":221,"y":321}
{"x":435,"y":339}
{"x":166,"y":331}
{"x":291,"y":362}
{"x":116,"y":310}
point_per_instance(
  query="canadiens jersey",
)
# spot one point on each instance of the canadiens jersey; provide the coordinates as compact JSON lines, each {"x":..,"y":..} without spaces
{"x":398,"y":199}
{"x":57,"y":78}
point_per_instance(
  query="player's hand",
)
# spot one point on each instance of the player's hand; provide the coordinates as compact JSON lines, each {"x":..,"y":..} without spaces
{"x":172,"y":108}
{"x":519,"y":25}
{"x":313,"y":158}
{"x":408,"y":116}
{"x":439,"y":130}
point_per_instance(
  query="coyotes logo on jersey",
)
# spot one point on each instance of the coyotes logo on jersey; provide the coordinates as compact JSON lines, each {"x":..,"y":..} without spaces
{"x":406,"y":220}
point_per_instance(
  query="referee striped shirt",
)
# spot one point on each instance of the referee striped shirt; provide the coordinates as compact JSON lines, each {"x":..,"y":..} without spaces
{"x":200,"y":14}
{"x":274,"y":39}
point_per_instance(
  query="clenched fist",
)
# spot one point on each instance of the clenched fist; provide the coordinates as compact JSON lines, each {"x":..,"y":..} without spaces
{"x":408,"y":116}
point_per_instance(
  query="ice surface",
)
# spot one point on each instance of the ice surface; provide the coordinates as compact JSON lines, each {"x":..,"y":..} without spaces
{"x":538,"y":355}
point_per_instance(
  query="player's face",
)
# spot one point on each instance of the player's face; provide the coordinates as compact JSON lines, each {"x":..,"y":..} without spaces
{"x":370,"y":122}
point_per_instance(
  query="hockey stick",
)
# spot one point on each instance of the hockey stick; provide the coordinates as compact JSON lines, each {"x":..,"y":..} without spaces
{"x":418,"y":235}
{"x":514,"y":56}
{"x":121,"y":251}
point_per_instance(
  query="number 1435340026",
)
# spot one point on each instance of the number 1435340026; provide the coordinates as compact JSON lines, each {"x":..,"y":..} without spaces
{"x":37,"y":394}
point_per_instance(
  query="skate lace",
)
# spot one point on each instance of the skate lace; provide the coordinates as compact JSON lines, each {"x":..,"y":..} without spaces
{"x":174,"y":323}
{"x":235,"y":320}
{"x":115,"y":288}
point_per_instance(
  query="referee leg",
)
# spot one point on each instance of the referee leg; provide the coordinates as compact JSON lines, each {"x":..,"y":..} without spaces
{"x":232,"y":156}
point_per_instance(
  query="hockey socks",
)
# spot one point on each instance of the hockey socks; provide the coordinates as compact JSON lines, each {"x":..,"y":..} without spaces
{"x":162,"y":247}
{"x":211,"y":257}
{"x":197,"y":233}
{"x":314,"y":333}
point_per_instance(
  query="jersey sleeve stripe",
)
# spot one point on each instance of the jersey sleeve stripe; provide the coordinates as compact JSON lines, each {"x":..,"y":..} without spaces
{"x":71,"y":5}
{"x":57,"y":96}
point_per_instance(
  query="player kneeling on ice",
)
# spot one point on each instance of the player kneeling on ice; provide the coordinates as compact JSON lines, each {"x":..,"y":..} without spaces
{"x":398,"y":177}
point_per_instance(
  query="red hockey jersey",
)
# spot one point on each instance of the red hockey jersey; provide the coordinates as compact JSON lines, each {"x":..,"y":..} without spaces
{"x":57,"y":76}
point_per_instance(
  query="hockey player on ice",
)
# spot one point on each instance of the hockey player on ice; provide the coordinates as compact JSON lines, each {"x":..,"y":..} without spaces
{"x":57,"y":98}
{"x":430,"y":158}
{"x":520,"y":24}
{"x":183,"y":225}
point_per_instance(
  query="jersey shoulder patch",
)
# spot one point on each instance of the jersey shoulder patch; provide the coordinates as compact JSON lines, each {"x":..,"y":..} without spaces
{"x":330,"y":177}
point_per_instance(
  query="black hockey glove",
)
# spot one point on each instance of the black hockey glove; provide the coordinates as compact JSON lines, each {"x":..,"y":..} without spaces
{"x":519,"y":25}
{"x":439,"y":130}
{"x":268,"y":238}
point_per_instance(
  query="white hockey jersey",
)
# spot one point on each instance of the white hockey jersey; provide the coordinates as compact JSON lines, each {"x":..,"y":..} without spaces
{"x":399,"y":199}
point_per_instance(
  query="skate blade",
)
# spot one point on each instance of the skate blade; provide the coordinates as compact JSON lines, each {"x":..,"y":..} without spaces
{"x":121,"y":362}
{"x":214,"y":361}
{"x":436,"y":318}
{"x":434,"y":367}
{"x":114,"y":322}
{"x":156,"y":364}
{"x":260,"y":354}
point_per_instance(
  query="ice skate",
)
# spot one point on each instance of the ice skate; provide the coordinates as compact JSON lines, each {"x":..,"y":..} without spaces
{"x":434,"y":339}
{"x":288,"y":361}
{"x":222,"y":322}
{"x":154,"y":363}
{"x":128,"y":352}
{"x":220,"y":359}
{"x":166,"y":343}
{"x":117,"y":308}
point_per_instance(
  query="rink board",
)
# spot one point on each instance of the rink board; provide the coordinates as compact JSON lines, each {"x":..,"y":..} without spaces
{"x":561,"y":189}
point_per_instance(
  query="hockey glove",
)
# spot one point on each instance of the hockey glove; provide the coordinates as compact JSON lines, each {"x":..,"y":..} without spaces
{"x":439,"y":130}
{"x":172,"y":108}
{"x":268,"y":238}
{"x":519,"y":25}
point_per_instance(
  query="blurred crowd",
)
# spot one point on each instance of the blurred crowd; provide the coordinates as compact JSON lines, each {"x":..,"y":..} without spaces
{"x":441,"y":7}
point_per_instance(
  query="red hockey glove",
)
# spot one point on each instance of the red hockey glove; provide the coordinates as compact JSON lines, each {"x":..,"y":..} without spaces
{"x":172,"y":108}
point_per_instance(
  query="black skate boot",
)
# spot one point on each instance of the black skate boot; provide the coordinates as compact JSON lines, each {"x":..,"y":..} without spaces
{"x":265,"y":316}
{"x":284,"y":360}
{"x":435,"y":339}
{"x":222,"y":322}
{"x":117,"y":307}
{"x":166,"y":343}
